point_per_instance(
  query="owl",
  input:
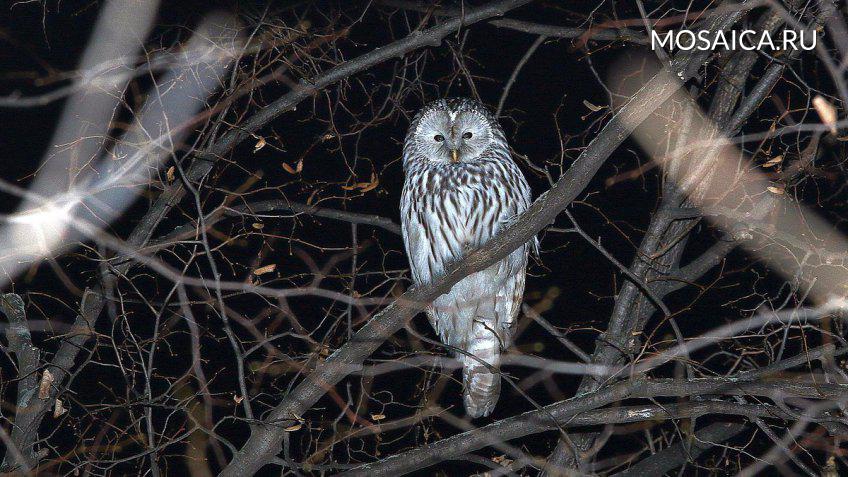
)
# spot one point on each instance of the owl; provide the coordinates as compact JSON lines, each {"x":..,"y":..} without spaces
{"x":461,"y":187}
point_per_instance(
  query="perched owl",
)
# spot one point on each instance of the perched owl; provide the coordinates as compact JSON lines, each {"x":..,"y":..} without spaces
{"x":461,"y":188}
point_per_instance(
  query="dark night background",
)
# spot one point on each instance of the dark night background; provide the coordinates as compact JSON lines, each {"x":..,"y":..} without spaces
{"x":548,"y":121}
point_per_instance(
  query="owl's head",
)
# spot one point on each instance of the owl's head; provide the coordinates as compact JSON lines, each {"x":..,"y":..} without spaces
{"x":453,"y":130}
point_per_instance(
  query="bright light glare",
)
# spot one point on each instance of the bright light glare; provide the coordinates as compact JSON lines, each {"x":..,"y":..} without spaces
{"x":734,"y":194}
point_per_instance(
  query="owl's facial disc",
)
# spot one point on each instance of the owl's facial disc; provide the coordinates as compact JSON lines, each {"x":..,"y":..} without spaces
{"x":453,"y":136}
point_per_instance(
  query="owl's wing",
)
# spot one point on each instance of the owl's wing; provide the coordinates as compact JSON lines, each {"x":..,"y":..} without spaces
{"x":415,"y":241}
{"x":524,"y":197}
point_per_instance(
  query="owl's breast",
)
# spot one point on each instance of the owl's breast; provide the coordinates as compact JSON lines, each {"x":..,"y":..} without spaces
{"x":466,"y":214}
{"x":451,"y":210}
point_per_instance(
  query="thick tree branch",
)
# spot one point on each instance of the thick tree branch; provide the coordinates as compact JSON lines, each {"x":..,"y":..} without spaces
{"x":583,"y":411}
{"x":21,"y":453}
{"x":33,"y":404}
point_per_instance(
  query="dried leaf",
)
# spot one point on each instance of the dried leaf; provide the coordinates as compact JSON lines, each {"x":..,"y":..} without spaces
{"x":775,"y":190}
{"x":375,"y":181}
{"x":58,"y":409}
{"x":378,"y":417}
{"x":170,"y":174}
{"x":827,"y":112}
{"x":293,"y":428}
{"x":238,"y":399}
{"x":592,"y":106}
{"x":258,"y":225}
{"x":266,"y":269}
{"x":830,"y":469}
{"x":289,"y":169}
{"x":46,"y":382}
{"x":312,"y":197}
{"x":773,"y":162}
{"x":259,"y":144}
{"x":365,"y":186}
{"x":299,"y":166}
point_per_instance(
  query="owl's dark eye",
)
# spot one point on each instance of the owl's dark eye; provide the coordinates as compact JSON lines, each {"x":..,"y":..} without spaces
{"x":439,"y":138}
{"x":467,"y":135}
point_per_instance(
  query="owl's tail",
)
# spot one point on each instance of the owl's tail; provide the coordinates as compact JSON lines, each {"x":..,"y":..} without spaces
{"x":482,"y":386}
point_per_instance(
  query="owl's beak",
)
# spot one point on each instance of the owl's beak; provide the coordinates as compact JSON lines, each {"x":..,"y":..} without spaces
{"x":454,"y":156}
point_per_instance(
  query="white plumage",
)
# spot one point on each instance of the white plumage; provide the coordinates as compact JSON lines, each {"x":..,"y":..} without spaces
{"x":461,"y":188}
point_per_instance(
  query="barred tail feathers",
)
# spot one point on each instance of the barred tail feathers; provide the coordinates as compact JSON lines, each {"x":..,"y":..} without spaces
{"x":474,"y":317}
{"x":482,"y":383}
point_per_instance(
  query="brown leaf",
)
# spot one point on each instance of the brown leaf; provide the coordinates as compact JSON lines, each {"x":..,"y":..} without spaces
{"x":378,"y":417}
{"x":259,"y":144}
{"x":293,"y":428}
{"x":773,"y":162}
{"x":592,"y":106}
{"x":44,"y":386}
{"x":170,"y":174}
{"x":375,"y":181}
{"x":258,"y":225}
{"x":365,"y":186}
{"x":827,"y":112}
{"x":58,"y":409}
{"x":238,"y":399}
{"x":299,"y":166}
{"x":289,"y":169}
{"x":775,"y":190}
{"x":266,"y":269}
